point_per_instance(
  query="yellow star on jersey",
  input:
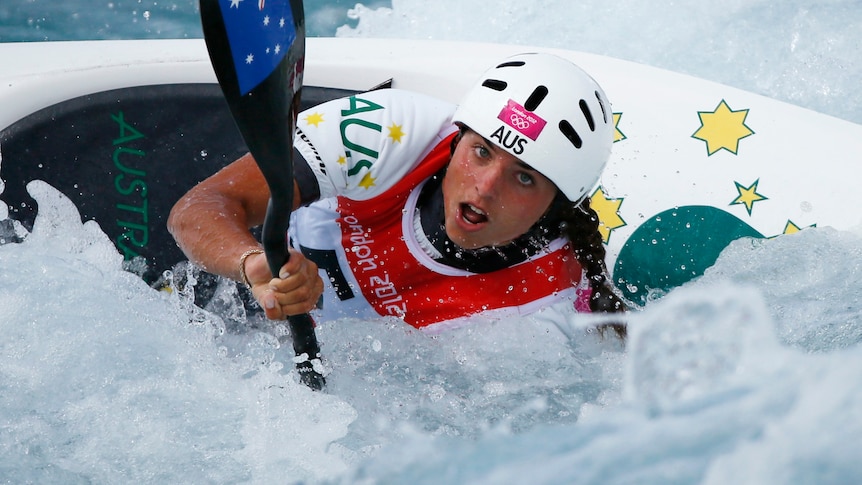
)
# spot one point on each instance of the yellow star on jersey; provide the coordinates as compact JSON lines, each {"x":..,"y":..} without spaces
{"x":342,"y":160}
{"x":722,"y":128}
{"x":367,"y":181}
{"x":395,"y":133}
{"x":608,"y":210}
{"x":748,"y":195}
{"x":618,"y":135}
{"x":314,"y":119}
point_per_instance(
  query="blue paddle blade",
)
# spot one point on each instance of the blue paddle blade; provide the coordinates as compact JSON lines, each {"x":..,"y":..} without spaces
{"x":260,"y":34}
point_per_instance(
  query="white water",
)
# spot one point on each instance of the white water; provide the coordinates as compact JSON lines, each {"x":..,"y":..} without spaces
{"x":749,"y":375}
{"x":802,"y":51}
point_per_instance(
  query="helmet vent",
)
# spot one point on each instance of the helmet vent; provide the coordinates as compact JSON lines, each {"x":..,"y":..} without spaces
{"x":588,"y":115}
{"x":569,"y":132}
{"x":536,"y":98}
{"x":602,"y":104}
{"x":511,"y":64}
{"x":495,"y":84}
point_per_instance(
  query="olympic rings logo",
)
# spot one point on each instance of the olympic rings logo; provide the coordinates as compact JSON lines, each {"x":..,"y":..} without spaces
{"x":519,"y":122}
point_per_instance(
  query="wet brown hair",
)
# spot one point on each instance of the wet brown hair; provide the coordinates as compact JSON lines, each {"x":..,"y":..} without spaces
{"x":580,"y":224}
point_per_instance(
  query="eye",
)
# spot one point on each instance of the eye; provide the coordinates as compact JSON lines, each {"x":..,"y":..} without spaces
{"x":481,"y":151}
{"x":525,"y":178}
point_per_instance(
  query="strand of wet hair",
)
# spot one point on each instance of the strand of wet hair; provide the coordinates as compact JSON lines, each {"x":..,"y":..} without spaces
{"x":581,"y":227}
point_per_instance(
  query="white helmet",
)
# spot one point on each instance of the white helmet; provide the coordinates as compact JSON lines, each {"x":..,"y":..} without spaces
{"x":549,"y":113}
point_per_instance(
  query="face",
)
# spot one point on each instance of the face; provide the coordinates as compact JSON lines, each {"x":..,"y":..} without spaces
{"x":490,"y":196}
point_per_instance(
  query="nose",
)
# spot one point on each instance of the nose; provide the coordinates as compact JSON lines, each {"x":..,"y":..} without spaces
{"x":487,"y":177}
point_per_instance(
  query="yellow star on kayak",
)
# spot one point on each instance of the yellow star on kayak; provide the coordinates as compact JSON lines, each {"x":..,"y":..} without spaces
{"x":748,"y":195}
{"x":792,"y":228}
{"x":395,"y":133}
{"x":722,"y":128}
{"x":608,"y":210}
{"x":367,"y":181}
{"x":618,"y":135}
{"x":314,"y":119}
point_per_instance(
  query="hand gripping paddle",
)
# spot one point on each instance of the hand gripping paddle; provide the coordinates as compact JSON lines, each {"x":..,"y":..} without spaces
{"x":257,"y":49}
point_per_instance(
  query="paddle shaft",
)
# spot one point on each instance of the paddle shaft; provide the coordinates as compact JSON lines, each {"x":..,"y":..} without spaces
{"x":264,"y":104}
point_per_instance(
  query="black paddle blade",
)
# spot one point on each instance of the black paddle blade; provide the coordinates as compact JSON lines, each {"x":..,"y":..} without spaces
{"x":257,"y":49}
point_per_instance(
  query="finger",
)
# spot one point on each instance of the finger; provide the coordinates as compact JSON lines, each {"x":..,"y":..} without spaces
{"x":275,"y":309}
{"x":280,"y":311}
{"x":305,"y":298}
{"x":289,"y":284}
{"x":295,"y":264}
{"x":304,"y":274}
{"x":297,"y":309}
{"x":271,"y":307}
{"x":308,"y":292}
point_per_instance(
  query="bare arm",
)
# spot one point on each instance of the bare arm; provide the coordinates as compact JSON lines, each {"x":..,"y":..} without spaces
{"x":211,"y":225}
{"x":211,"y":222}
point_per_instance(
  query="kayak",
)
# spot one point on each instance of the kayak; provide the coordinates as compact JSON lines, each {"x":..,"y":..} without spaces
{"x":124,"y":128}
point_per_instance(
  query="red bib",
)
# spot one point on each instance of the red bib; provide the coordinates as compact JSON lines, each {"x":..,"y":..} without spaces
{"x":397,"y":278}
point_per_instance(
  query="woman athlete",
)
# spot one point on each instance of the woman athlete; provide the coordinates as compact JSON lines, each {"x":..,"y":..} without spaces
{"x":408,"y":206}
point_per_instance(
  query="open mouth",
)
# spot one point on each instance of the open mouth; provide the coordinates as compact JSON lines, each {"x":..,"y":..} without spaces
{"x":473,"y":214}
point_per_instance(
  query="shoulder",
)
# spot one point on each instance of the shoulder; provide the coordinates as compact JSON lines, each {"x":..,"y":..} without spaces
{"x":379,"y":110}
{"x":365,"y":142}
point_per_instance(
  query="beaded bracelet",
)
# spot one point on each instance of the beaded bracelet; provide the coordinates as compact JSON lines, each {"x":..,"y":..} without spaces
{"x":243,"y":277}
